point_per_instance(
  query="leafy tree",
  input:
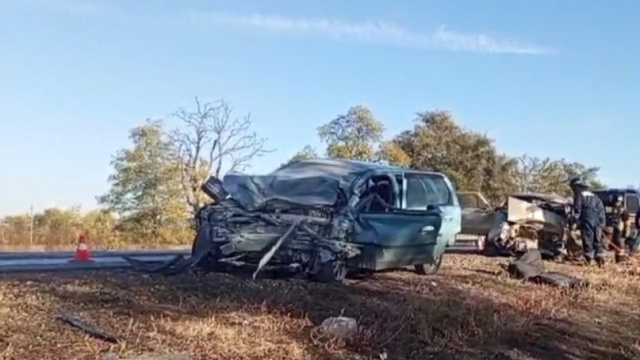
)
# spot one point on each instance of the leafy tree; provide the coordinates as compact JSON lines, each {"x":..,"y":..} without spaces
{"x":15,"y":229}
{"x":211,"y":140}
{"x":394,"y":154}
{"x":438,"y":143}
{"x":354,"y":135}
{"x":590,"y":174}
{"x":542,"y":175}
{"x":145,"y":189}
{"x":60,"y":227}
{"x":101,"y":226}
{"x":552,"y":176}
{"x":307,"y":152}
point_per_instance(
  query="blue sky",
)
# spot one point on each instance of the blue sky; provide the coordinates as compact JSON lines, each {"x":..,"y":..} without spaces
{"x":545,"y":77}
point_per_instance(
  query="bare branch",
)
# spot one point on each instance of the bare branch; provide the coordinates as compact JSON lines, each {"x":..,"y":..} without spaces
{"x":211,"y":139}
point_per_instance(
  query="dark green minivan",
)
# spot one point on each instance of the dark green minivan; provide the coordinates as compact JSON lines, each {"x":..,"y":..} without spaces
{"x":327,"y":217}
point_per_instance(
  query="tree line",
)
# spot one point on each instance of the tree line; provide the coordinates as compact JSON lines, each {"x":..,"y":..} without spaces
{"x":155,"y":184}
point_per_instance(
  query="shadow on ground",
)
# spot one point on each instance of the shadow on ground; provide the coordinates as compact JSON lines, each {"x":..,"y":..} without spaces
{"x":402,"y":315}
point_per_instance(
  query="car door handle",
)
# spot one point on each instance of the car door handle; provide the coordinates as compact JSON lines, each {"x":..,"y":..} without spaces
{"x":448,"y":218}
{"x":427,"y":229}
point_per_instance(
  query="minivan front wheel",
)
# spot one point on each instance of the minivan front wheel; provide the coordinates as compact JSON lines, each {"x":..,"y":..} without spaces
{"x":334,"y":271}
{"x":430,"y":268}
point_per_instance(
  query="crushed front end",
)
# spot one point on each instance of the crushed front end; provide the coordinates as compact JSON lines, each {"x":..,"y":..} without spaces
{"x":277,"y":235}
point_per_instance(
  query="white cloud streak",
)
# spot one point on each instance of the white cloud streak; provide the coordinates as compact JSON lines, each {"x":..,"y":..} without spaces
{"x":71,"y":7}
{"x":379,"y":33}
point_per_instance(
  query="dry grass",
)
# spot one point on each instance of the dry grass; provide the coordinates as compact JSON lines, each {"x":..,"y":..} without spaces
{"x":470,"y":311}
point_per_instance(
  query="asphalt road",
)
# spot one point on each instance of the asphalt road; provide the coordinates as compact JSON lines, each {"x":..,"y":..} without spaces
{"x":61,"y":261}
{"x":11,"y":262}
{"x":96,"y":254}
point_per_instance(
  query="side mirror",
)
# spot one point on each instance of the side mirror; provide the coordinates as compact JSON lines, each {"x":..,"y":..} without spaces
{"x":432,"y":207}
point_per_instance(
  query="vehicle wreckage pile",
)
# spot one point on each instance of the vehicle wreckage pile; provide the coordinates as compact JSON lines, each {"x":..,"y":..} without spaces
{"x":524,"y":221}
{"x":326,"y":217}
{"x":529,"y":227}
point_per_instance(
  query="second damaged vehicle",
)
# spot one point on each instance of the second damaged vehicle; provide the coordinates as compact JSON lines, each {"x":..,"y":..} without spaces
{"x":327,"y":217}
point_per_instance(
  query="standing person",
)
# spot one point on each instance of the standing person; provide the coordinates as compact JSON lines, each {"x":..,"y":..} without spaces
{"x":634,"y":243}
{"x":589,"y":216}
{"x":621,"y":228}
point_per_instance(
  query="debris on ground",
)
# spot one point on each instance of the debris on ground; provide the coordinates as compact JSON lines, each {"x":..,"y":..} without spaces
{"x":560,"y":280}
{"x":87,"y":327}
{"x":527,"y":265}
{"x":340,"y":326}
{"x":530,"y":266}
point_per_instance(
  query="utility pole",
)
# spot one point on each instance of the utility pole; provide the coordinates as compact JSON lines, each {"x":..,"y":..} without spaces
{"x":31,"y":227}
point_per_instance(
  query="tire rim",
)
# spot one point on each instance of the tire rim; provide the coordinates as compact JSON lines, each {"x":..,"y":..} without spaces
{"x":432,"y":267}
{"x":480,"y":243}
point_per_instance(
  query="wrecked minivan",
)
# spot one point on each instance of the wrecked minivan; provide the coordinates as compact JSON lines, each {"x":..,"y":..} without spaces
{"x":327,"y":217}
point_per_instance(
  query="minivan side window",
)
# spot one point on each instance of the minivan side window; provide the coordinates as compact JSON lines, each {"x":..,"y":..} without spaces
{"x":427,"y":189}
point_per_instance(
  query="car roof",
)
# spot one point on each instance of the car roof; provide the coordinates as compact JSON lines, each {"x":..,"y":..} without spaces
{"x":343,"y":170}
{"x":617,"y":191}
{"x":356,"y":166}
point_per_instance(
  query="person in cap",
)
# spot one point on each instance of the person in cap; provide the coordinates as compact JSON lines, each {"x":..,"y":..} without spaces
{"x":589,"y":217}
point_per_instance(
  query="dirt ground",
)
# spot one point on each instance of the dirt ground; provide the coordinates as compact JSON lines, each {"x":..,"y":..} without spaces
{"x":471,"y":310}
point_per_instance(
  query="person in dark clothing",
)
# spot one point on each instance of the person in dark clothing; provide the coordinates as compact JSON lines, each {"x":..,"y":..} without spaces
{"x":634,"y":243}
{"x":620,"y":222}
{"x":589,"y":216}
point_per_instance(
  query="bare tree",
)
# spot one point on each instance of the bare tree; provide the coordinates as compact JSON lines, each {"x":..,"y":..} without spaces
{"x":210,"y":139}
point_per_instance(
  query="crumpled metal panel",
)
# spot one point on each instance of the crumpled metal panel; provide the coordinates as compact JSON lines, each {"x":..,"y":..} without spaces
{"x":519,"y":211}
{"x":316,"y":182}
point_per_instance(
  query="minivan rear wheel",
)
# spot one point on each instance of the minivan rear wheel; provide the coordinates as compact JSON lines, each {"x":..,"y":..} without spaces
{"x":430,"y":268}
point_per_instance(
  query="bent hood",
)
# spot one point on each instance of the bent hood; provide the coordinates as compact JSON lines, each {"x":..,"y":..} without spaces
{"x":312,"y":182}
{"x":255,"y":191}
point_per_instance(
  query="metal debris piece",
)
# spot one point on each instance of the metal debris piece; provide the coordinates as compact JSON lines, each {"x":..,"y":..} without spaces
{"x":88,"y":328}
{"x":340,"y":326}
{"x":265,"y":259}
{"x":172,"y":267}
{"x":152,"y":266}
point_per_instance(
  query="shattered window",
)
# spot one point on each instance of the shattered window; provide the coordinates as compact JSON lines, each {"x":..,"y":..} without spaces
{"x":426,"y":189}
{"x":383,"y":188}
{"x":469,"y":201}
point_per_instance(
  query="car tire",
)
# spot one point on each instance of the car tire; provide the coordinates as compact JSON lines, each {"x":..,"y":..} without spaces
{"x":430,"y":269}
{"x":334,"y":271}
